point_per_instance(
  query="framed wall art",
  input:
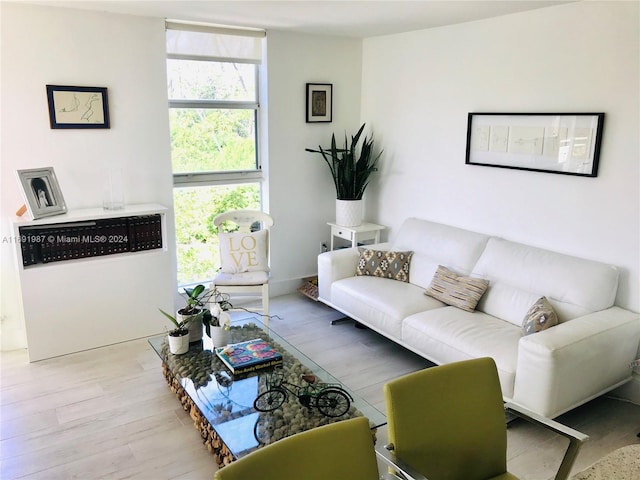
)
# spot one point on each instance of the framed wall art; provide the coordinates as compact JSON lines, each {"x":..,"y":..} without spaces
{"x":41,"y":192}
{"x":78,"y":107}
{"x":565,"y":143}
{"x":319,"y":102}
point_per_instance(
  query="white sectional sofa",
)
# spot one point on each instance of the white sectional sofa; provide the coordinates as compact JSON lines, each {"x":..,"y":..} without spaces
{"x":549,"y":372}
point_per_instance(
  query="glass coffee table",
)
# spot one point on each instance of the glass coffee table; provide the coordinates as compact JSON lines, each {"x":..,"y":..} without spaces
{"x":222,"y":407}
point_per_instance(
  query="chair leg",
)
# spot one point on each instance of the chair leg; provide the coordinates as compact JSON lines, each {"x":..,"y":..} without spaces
{"x":265,"y":305}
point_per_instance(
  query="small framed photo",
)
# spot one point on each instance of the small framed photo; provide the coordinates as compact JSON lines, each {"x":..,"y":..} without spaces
{"x":565,"y":143}
{"x":78,"y":107}
{"x":319,"y":102}
{"x":41,"y":192}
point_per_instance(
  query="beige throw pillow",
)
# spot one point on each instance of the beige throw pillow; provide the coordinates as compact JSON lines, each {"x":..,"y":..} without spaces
{"x":539,"y":317}
{"x":243,"y":252}
{"x":456,"y":290}
{"x":380,"y":263}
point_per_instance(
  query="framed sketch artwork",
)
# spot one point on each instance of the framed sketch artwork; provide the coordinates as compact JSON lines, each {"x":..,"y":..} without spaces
{"x":566,"y":143}
{"x":78,"y":107}
{"x":319,"y":102}
{"x":41,"y":192}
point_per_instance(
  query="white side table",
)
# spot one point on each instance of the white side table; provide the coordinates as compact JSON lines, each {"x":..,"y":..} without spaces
{"x":362,"y":233}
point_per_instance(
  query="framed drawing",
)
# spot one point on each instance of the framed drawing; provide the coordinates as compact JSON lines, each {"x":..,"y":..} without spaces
{"x":78,"y":107}
{"x":319,"y":102}
{"x":565,"y":143}
{"x":41,"y":191}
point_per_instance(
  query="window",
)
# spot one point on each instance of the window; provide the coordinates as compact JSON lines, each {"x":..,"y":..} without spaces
{"x":213,"y":89}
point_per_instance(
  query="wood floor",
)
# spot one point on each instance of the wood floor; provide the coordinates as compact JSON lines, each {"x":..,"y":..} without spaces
{"x":108,"y":414}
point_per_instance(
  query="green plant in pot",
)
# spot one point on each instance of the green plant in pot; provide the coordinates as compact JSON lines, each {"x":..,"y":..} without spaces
{"x":179,"y":336}
{"x":195,"y":309}
{"x":351,"y":167}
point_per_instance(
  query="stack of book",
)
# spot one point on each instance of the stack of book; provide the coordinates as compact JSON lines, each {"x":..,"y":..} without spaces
{"x":72,"y":240}
{"x":248,"y":357}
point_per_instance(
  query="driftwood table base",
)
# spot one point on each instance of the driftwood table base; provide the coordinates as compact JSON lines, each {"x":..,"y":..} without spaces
{"x":210,"y":438}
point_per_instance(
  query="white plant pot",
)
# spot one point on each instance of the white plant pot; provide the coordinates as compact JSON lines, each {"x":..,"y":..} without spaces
{"x":178,"y":345}
{"x":349,"y":213}
{"x":219,"y":336}
{"x":194,"y":325}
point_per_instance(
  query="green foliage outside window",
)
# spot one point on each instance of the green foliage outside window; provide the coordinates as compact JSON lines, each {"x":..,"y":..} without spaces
{"x":209,"y":140}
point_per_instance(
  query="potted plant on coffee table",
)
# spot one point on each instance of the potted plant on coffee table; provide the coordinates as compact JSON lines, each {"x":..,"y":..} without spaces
{"x":218,"y":321}
{"x":194,"y":310}
{"x":350,"y":166}
{"x":178,"y":337}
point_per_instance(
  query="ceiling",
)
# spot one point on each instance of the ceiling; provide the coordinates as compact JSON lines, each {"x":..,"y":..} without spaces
{"x":354,"y":18}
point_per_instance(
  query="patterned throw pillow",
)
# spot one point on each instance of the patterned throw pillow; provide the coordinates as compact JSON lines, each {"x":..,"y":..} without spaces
{"x":380,"y":263}
{"x":243,"y":252}
{"x":539,"y":317}
{"x":456,"y":290}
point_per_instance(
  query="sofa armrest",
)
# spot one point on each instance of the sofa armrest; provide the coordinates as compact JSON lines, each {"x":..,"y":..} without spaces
{"x":566,"y":365}
{"x":338,"y":264}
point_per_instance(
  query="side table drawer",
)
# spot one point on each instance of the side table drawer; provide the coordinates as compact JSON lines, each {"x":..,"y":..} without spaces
{"x":342,"y":233}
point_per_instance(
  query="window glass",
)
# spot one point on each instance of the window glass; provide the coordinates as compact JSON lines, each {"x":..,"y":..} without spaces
{"x":196,"y":237}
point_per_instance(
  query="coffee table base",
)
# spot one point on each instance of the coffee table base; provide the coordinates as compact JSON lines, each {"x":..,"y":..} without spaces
{"x":210,"y":438}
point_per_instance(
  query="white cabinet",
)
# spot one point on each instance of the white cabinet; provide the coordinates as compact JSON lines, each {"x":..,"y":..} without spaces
{"x":77,"y":304}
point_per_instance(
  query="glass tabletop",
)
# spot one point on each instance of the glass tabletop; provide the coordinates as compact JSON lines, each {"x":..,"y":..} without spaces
{"x":228,"y":403}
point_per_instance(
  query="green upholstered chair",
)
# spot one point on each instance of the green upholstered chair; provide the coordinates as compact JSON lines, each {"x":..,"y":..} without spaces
{"x":341,"y":450}
{"x":448,"y":422}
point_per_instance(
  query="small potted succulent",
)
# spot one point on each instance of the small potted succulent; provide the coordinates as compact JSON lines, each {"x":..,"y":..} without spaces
{"x":179,"y":336}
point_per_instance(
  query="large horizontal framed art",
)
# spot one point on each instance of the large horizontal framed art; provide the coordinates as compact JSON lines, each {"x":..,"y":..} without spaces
{"x":565,"y":143}
{"x":319,"y":102}
{"x":41,"y":192}
{"x":78,"y":107}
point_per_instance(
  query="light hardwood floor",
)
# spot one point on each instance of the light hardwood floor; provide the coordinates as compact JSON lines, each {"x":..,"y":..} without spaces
{"x":108,"y":414}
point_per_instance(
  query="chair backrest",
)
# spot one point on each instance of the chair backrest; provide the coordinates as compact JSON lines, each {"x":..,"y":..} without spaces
{"x":448,"y":421}
{"x":245,"y":219}
{"x":339,"y":450}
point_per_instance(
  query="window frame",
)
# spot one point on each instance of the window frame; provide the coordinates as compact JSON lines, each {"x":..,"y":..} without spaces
{"x":221,"y":177}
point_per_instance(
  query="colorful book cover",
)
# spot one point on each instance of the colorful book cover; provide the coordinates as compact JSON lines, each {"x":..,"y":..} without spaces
{"x":249,"y":356}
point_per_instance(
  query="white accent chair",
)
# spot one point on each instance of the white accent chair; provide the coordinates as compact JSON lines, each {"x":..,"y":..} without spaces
{"x":249,"y":282}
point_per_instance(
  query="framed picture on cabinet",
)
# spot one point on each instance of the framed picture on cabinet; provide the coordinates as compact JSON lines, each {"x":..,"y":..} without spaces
{"x":41,"y":192}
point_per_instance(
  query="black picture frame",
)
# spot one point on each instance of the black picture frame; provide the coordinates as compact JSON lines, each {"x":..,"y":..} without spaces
{"x":78,"y":107}
{"x":563,"y":143}
{"x":319,"y":102}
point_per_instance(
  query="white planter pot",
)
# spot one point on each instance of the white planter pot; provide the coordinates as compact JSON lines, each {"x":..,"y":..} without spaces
{"x":178,"y":345}
{"x":219,"y":336}
{"x":194,"y":325}
{"x":349,"y":213}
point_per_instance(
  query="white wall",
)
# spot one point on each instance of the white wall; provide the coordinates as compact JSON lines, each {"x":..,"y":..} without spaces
{"x":43,"y":45}
{"x":301,"y":191}
{"x":582,"y":57}
{"x":126,"y":54}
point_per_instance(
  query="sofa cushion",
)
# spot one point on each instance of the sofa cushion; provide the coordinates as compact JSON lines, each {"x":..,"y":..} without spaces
{"x":435,"y":244}
{"x":380,"y":303}
{"x":456,"y":290}
{"x":386,"y":264}
{"x":449,"y":334}
{"x":519,"y":275}
{"x":539,"y":317}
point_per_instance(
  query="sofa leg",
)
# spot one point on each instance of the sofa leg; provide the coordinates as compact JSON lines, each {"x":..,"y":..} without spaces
{"x":340,"y":320}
